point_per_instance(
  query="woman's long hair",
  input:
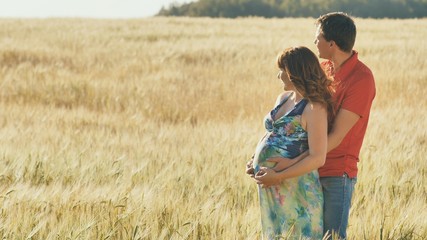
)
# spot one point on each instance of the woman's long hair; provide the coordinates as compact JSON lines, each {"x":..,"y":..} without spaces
{"x":308,"y":77}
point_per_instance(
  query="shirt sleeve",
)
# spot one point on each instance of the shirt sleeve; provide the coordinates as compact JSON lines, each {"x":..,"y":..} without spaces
{"x":360,"y":94}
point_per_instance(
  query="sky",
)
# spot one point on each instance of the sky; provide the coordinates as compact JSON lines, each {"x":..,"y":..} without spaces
{"x":83,"y":8}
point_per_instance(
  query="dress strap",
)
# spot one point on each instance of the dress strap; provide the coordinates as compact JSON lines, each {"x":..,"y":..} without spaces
{"x":276,"y":109}
{"x":284,"y":100}
{"x":299,"y":108}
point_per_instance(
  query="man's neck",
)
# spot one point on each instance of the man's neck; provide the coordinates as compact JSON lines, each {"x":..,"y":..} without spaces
{"x":339,"y":59}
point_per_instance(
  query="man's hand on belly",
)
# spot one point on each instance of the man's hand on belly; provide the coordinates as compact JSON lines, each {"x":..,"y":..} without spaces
{"x":281,"y":163}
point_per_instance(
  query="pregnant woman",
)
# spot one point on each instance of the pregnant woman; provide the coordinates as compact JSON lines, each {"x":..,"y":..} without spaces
{"x":298,"y":124}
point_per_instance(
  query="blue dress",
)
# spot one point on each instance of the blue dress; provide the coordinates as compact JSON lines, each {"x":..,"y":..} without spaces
{"x":293,"y":209}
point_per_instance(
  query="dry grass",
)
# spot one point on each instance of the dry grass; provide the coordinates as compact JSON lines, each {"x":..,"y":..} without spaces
{"x":140,"y":129}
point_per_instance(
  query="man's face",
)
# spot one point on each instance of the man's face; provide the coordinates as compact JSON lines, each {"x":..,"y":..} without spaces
{"x":323,"y":46}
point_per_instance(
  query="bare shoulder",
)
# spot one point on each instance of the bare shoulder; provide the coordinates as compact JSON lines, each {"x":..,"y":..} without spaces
{"x":314,"y":109}
{"x":282,"y":96}
{"x":314,"y":114}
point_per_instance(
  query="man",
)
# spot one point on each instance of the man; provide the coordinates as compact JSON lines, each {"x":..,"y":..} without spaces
{"x":355,"y":91}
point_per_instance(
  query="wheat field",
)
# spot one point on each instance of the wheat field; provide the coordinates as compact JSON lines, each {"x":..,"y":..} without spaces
{"x":141,"y":128}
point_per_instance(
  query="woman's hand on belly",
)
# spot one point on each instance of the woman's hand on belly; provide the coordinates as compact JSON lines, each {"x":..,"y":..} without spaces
{"x":267,"y":177}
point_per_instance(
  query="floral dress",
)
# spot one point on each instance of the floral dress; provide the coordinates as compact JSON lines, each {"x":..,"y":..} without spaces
{"x":293,"y":209}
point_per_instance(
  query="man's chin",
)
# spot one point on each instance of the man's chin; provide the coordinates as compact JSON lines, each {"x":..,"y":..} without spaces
{"x":321,"y":56}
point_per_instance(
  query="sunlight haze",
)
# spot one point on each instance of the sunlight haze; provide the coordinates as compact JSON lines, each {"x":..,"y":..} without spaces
{"x":83,"y":8}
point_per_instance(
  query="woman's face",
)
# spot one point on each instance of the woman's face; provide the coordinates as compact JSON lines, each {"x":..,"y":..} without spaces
{"x":287,"y":84}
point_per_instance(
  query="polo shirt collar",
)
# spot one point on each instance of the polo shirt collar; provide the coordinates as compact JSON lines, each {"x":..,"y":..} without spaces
{"x":347,"y":67}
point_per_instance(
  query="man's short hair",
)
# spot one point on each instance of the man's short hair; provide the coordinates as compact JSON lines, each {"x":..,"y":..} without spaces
{"x":338,"y":27}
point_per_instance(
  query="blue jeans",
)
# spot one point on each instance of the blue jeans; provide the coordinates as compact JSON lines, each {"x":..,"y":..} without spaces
{"x":337,"y":192}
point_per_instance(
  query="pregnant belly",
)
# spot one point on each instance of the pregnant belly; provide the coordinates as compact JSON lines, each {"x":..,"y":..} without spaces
{"x":265,"y":151}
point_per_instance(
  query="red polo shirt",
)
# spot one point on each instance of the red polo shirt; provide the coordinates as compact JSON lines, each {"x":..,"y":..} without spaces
{"x":355,"y":91}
